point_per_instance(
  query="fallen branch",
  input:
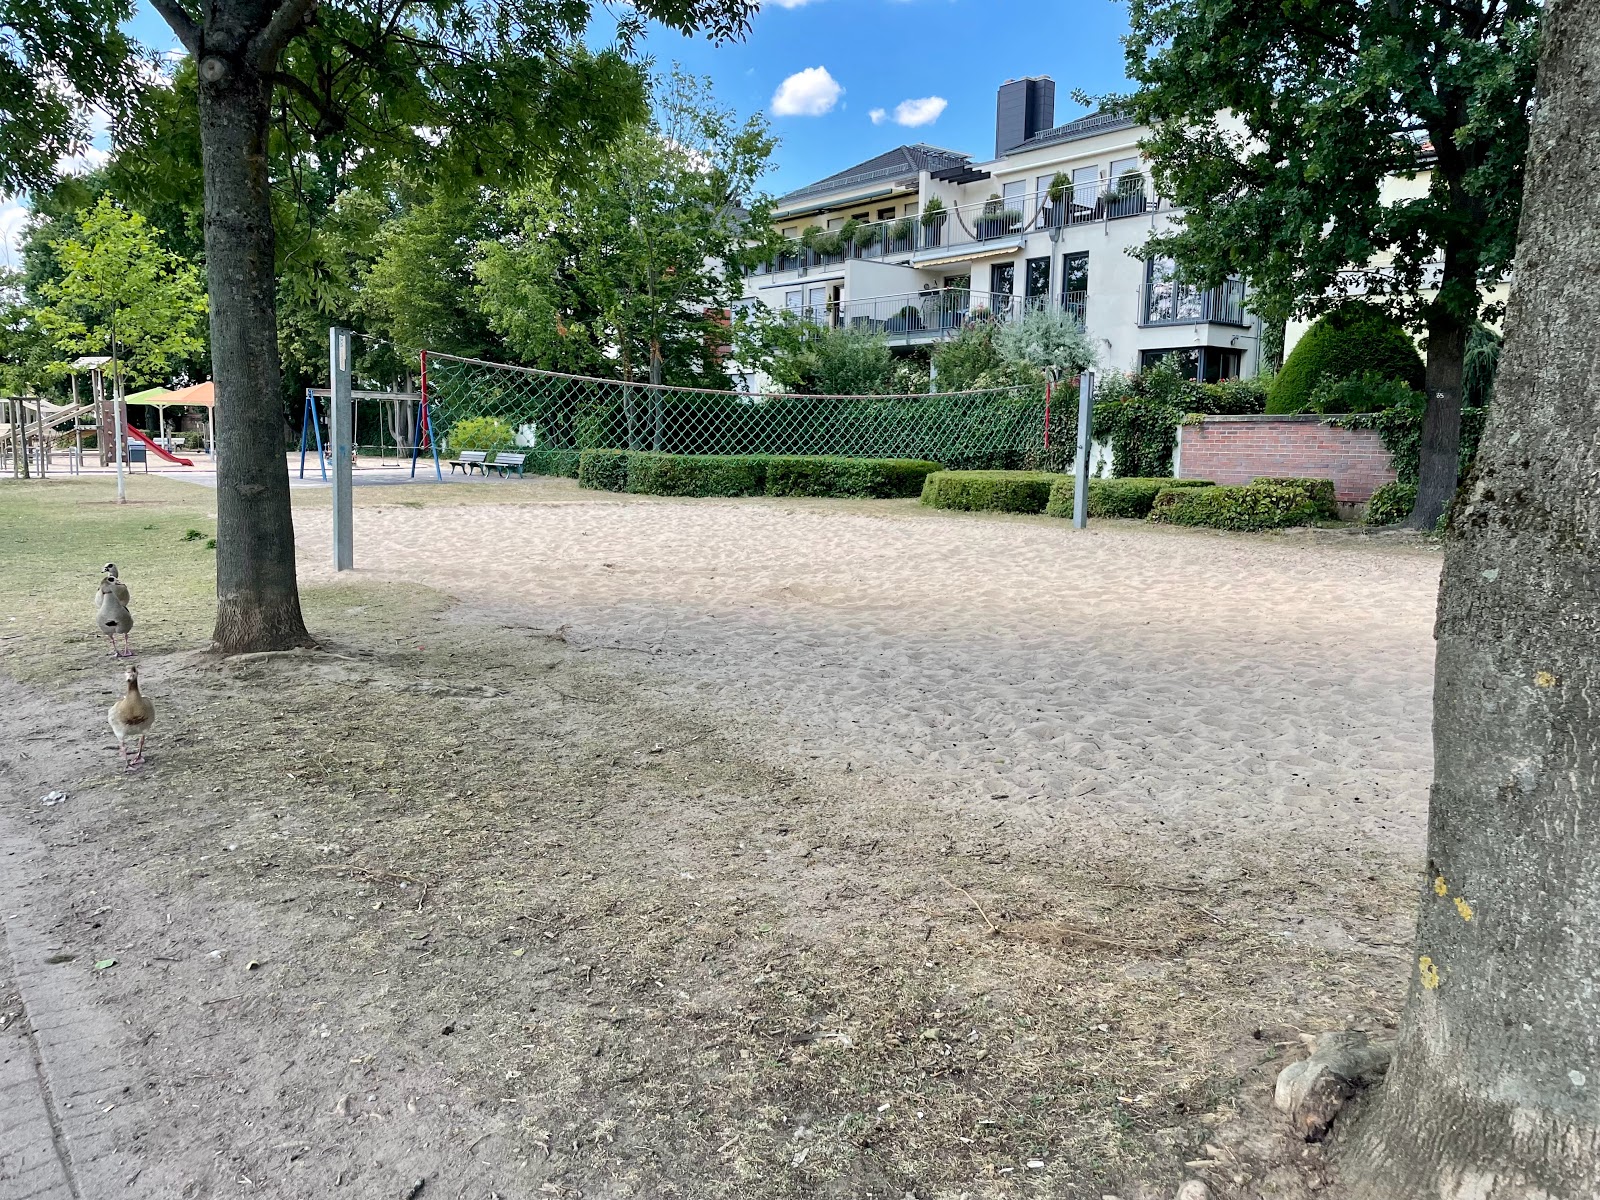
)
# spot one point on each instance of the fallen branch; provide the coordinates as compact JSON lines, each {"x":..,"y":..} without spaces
{"x":375,"y":874}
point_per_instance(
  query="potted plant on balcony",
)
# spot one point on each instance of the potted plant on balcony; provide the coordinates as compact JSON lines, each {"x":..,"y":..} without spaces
{"x":865,"y":237}
{"x":829,"y":244}
{"x":907,"y":320}
{"x":809,"y":237}
{"x":1059,"y":195}
{"x":1126,"y":197}
{"x":902,"y":233}
{"x":933,"y":219}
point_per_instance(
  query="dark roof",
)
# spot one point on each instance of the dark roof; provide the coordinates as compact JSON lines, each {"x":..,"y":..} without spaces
{"x":1086,"y":126}
{"x":898,"y":163}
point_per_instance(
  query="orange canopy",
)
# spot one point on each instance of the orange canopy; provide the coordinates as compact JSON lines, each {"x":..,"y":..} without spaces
{"x":201,"y":395}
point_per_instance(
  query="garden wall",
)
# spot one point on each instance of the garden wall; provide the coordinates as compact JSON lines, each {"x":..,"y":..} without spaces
{"x":1239,"y":449}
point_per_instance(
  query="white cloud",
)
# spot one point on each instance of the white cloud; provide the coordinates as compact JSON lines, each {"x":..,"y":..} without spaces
{"x":920,"y":112}
{"x":879,"y":116}
{"x":808,"y":93}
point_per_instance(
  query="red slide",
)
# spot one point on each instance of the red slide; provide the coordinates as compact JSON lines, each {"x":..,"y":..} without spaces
{"x":158,"y":451}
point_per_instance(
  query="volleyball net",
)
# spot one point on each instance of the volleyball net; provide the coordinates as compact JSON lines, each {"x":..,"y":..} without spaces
{"x":470,"y":404}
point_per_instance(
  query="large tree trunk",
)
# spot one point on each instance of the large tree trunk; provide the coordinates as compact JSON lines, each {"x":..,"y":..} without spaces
{"x":258,"y":601}
{"x":1441,"y":422}
{"x":1495,"y":1090}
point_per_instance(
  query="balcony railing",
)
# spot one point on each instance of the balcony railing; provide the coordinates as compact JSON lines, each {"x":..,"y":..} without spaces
{"x":933,"y":313}
{"x":978,"y":222}
{"x":1169,"y":302}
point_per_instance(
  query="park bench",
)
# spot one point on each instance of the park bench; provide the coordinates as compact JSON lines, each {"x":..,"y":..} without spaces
{"x":467,"y":460}
{"x":507,"y":460}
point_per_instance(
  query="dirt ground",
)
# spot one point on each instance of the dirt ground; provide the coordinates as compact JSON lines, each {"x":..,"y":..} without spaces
{"x":619,"y":847}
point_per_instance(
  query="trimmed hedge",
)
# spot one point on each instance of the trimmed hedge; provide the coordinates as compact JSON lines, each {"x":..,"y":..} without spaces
{"x":1356,"y":338}
{"x":1114,"y":497}
{"x":1318,"y":491}
{"x":989,"y":491}
{"x":1238,"y":506}
{"x":1391,"y":504}
{"x":648,"y":473}
{"x":873,"y":478}
{"x":553,"y":462}
{"x":604,"y":470}
{"x":652,"y":474}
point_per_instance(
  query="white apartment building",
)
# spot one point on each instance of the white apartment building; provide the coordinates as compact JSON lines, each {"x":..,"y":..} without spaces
{"x":916,"y":242}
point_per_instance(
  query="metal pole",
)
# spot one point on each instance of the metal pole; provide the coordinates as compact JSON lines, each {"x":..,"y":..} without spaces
{"x":340,"y":421}
{"x":119,"y":418}
{"x":77,"y":426}
{"x":1080,"y":467}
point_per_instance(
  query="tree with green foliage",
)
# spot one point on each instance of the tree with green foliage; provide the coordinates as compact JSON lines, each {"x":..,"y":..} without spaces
{"x":1048,"y":339}
{"x":1352,"y":340}
{"x":122,"y":294}
{"x":824,"y":360}
{"x":452,"y":89}
{"x":637,"y":270}
{"x":1277,"y":129}
{"x":59,"y":57}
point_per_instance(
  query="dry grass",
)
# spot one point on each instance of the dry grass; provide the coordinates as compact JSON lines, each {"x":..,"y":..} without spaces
{"x":670,"y":964}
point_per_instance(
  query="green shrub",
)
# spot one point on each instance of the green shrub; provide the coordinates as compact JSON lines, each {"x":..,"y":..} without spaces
{"x":1363,"y":393}
{"x":876,"y":478}
{"x":480,"y":433}
{"x":604,"y":470}
{"x":1400,"y":430}
{"x":1318,"y":491}
{"x":1114,"y":497}
{"x":696,"y":474}
{"x":989,"y":491}
{"x":1354,"y":339}
{"x":553,"y":462}
{"x":1251,"y":506}
{"x":1391,"y":504}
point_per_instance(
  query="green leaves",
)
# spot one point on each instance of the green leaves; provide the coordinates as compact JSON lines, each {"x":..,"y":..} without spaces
{"x":119,"y":284}
{"x":1288,"y":131}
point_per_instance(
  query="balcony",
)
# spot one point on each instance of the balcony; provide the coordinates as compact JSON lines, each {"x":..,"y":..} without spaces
{"x":1169,"y":302}
{"x":915,"y":317}
{"x":967,"y":224}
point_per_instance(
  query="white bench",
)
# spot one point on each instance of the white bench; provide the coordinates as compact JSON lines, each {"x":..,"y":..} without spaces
{"x":468,"y":460}
{"x":507,"y":460}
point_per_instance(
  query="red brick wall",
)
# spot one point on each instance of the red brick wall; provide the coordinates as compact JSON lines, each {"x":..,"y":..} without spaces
{"x":1239,"y":449}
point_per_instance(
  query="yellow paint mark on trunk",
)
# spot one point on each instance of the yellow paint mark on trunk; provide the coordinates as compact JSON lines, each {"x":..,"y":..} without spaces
{"x":1545,"y":679}
{"x":1464,"y":909}
{"x":1440,"y":888}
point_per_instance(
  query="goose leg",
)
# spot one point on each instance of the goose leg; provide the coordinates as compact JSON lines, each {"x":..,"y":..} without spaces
{"x":115,"y":653}
{"x":122,"y":751}
{"x":138,"y":755}
{"x":127,"y":645}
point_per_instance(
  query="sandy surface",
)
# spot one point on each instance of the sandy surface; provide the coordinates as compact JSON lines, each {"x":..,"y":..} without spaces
{"x":1212,"y":687}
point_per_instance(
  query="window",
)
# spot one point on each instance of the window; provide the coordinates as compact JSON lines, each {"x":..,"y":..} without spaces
{"x":792,"y":231}
{"x":1208,"y":364}
{"x":1127,"y":187}
{"x":886,"y":214}
{"x":962,"y":282}
{"x":835,"y":223}
{"x":1003,"y":278}
{"x":1037,"y":278}
{"x":911,"y":209}
{"x":793,"y":299}
{"x":866,"y":216}
{"x":1075,"y":275}
{"x":816,"y":302}
{"x":1011,"y":195}
{"x":1121,"y":167}
{"x":1085,"y":185}
{"x":1041,"y":187}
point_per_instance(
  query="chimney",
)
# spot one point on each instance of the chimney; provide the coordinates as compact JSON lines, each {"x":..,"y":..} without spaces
{"x":1023,"y":108}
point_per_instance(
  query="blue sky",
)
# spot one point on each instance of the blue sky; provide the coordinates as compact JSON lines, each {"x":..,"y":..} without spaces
{"x":852,"y":78}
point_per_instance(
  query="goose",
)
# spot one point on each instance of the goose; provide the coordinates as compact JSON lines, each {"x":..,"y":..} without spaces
{"x":120,"y":588}
{"x":131,"y":716}
{"x":112,"y":617}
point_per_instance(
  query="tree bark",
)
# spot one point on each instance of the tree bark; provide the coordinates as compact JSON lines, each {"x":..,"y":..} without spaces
{"x":1495,"y":1090}
{"x":1440,"y":452}
{"x":258,"y":599}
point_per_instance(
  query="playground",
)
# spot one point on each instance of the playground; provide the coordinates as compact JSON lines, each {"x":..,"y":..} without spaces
{"x":616,"y":845}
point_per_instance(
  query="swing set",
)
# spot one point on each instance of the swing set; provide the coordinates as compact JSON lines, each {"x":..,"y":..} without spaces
{"x":317,"y":417}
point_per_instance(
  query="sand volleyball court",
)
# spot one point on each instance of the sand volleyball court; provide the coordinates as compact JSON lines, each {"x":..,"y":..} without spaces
{"x":1180,"y":685}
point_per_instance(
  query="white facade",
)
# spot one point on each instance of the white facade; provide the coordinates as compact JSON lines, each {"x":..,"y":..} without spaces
{"x":1007,"y":239}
